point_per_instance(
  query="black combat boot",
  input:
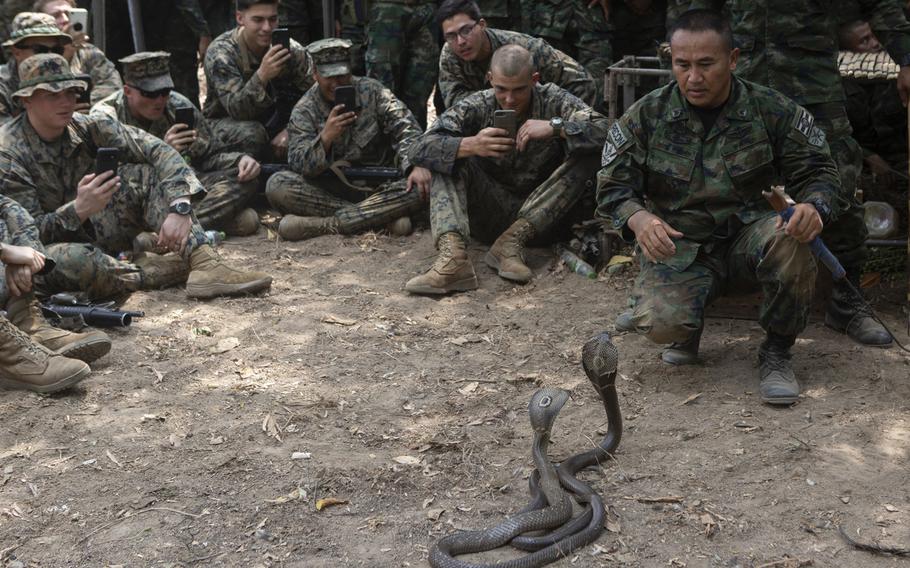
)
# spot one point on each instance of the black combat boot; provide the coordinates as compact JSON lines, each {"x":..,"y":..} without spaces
{"x":778,"y":383}
{"x":683,"y":352}
{"x":847,"y":312}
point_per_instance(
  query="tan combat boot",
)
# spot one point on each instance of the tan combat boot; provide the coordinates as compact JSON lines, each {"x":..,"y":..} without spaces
{"x":400,"y":227}
{"x":25,"y":313}
{"x":245,"y":223}
{"x":147,"y":242}
{"x":505,"y":254}
{"x":297,"y":228}
{"x":25,"y":364}
{"x":210,"y":276}
{"x":452,"y":271}
{"x":161,"y":271}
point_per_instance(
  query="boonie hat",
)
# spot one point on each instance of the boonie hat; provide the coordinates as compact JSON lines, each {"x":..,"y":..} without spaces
{"x":47,"y":71}
{"x":34,"y":24}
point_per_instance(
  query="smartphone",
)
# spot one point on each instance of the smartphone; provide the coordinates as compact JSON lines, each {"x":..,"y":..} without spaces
{"x":79,"y":20}
{"x":107,"y":160}
{"x":507,"y":120}
{"x":185,"y":115}
{"x":85,"y":97}
{"x":281,"y":36}
{"x":345,"y":95}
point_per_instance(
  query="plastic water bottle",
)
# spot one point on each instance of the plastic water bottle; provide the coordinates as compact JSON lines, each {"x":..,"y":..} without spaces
{"x":215,"y":238}
{"x":577,"y":265}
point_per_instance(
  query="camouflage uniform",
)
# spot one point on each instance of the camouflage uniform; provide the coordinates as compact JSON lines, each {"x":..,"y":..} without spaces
{"x":235,"y":90}
{"x":353,"y":17}
{"x":8,"y":11}
{"x":402,"y":50}
{"x":540,"y":185}
{"x":16,"y":228}
{"x":458,"y":79}
{"x":708,"y":187}
{"x":381,"y":136}
{"x":638,"y":34}
{"x":502,"y":14}
{"x":89,"y":60}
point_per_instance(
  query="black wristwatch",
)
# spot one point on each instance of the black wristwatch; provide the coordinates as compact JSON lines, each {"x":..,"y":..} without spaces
{"x":557,"y":124}
{"x":181,"y":208}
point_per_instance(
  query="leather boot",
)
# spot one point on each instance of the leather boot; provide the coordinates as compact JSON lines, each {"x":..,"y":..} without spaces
{"x":297,"y":228}
{"x":778,"y":382}
{"x":624,"y":321}
{"x":25,"y":313}
{"x":161,"y":271}
{"x":849,"y":313}
{"x":400,"y":227}
{"x":245,"y":223}
{"x":147,"y":242}
{"x":26,"y":364}
{"x":210,"y":276}
{"x":452,"y":271}
{"x":683,"y":352}
{"x":506,"y":253}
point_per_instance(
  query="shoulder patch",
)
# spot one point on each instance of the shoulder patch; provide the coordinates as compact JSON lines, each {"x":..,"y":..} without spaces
{"x":816,"y":137}
{"x":617,"y":136}
{"x":609,"y":154}
{"x":804,"y":122}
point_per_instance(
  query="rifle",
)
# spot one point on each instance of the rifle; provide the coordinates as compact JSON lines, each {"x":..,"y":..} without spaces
{"x":61,"y":307}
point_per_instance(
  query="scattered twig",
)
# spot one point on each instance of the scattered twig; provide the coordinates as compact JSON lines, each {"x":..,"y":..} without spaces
{"x":873,"y":548}
{"x":808,"y":447}
{"x":786,"y":563}
{"x":121,"y":519}
{"x":5,"y":552}
{"x":667,"y":499}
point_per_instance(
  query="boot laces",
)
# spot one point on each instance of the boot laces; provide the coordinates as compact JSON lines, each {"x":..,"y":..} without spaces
{"x":21,"y":338}
{"x":774,"y":360}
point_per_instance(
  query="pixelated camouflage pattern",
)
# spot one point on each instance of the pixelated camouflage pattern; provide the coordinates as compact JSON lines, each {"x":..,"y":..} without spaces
{"x":402,"y":51}
{"x":35,"y":24}
{"x":8,"y":11}
{"x":16,"y":228}
{"x":89,"y":60}
{"x":458,"y":79}
{"x":193,"y":16}
{"x":88,"y":270}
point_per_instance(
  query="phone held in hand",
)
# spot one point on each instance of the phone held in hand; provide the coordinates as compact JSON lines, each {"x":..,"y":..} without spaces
{"x":107,"y":160}
{"x":346,"y":95}
{"x":185,"y":115}
{"x":507,"y":120}
{"x":78,"y":20}
{"x":282,"y":37}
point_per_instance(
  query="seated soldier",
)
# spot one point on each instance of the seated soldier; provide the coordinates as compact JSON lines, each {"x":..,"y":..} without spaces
{"x":525,"y":185}
{"x":249,"y":79}
{"x":377,"y":132}
{"x":469,"y":44}
{"x":684,"y":170}
{"x":83,"y":57}
{"x":47,"y":161}
{"x":148,"y":102}
{"x":33,"y":354}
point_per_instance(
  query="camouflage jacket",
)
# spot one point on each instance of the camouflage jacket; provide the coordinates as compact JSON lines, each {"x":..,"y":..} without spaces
{"x":706,"y":186}
{"x":203,"y":155}
{"x":585,"y":131}
{"x":193,"y":15}
{"x":234,"y":87}
{"x":792,"y":46}
{"x":458,"y":79}
{"x":381,"y":135}
{"x":17,"y":226}
{"x":43,"y":176}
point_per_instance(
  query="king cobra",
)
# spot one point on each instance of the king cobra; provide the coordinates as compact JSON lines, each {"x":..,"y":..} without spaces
{"x":552,"y":487}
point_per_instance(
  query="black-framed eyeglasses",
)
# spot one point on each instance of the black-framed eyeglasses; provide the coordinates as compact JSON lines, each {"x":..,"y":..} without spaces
{"x":38,"y":49}
{"x":154,"y":94}
{"x":463,"y":32}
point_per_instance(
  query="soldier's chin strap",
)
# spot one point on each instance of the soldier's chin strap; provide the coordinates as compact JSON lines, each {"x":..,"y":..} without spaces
{"x":783,"y":204}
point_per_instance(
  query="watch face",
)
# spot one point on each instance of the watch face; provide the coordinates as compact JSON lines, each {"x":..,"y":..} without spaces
{"x":182,"y":208}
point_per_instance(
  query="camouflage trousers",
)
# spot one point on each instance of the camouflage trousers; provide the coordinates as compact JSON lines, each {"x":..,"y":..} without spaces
{"x":327,"y":197}
{"x":17,"y":228}
{"x":669,"y":305}
{"x":244,"y":136}
{"x":470,"y":201}
{"x":225,"y":197}
{"x":402,"y":52}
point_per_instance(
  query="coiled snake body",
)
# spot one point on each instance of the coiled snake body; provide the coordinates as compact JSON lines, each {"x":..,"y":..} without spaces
{"x":552,"y":488}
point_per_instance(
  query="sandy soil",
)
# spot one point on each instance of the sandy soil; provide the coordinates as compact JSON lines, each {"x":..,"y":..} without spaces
{"x":208,"y":435}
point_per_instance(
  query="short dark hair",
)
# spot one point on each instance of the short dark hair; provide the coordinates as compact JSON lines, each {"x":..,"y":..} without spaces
{"x":247,"y":4}
{"x":450,"y":8}
{"x":703,"y":21}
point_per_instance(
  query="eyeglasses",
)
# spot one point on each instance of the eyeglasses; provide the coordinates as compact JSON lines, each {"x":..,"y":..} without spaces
{"x":153,"y":94}
{"x":38,"y":49}
{"x":463,"y":32}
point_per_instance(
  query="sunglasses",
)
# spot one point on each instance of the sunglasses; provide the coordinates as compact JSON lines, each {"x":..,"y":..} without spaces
{"x":154,"y":94}
{"x":38,"y":49}
{"x":463,"y":32}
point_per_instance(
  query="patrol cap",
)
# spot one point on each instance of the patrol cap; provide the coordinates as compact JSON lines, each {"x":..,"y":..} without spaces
{"x":35,"y":24}
{"x":47,"y":71}
{"x":331,"y":56}
{"x":148,"y":70}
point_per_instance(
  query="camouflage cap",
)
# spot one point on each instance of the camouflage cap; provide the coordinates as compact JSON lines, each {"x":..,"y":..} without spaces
{"x":47,"y":71}
{"x":331,"y":56}
{"x":148,"y":70}
{"x":35,"y":24}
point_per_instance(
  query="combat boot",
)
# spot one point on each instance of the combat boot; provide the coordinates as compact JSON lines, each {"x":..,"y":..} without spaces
{"x":161,"y":271}
{"x":25,"y":364}
{"x":778,"y":382}
{"x":624,"y":322}
{"x":25,"y":313}
{"x":849,"y":313}
{"x":297,"y":228}
{"x":244,"y":224}
{"x":683,"y":352}
{"x":210,"y":276}
{"x":400,"y":227}
{"x":452,"y":271}
{"x":506,"y":253}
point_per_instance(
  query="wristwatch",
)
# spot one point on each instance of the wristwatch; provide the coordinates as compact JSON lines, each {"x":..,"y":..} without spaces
{"x":557,"y":124}
{"x":181,"y":208}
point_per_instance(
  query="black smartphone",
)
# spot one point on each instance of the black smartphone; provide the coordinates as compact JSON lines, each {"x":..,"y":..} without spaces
{"x":346,"y":95}
{"x":282,"y":36}
{"x":85,"y":97}
{"x":185,"y":115}
{"x":107,"y":160}
{"x":507,"y":120}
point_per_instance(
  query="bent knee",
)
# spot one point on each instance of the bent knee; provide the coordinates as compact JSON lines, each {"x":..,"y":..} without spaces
{"x":665,"y":326}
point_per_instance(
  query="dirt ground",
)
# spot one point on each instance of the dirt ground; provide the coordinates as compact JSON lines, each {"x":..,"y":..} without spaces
{"x":212,"y":430}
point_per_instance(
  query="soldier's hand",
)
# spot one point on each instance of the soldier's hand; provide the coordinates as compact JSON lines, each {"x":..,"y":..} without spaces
{"x":19,"y":278}
{"x":335,"y":125}
{"x":280,"y":145}
{"x":805,"y":224}
{"x":273,"y":63}
{"x":604,"y":5}
{"x":654,"y":235}
{"x":94,"y":192}
{"x":26,"y":256}
{"x":488,"y":143}
{"x":420,"y":178}
{"x":247,"y":169}
{"x":533,"y":130}
{"x":174,"y":232}
{"x":179,"y":137}
{"x":903,"y":84}
{"x":204,"y":43}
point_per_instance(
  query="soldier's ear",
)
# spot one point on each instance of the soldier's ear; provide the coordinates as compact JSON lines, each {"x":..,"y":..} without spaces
{"x":238,"y":15}
{"x":489,"y":77}
{"x":535,"y":78}
{"x":734,"y":57}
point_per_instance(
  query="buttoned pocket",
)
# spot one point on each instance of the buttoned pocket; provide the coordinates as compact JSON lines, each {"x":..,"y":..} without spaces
{"x":671,"y":176}
{"x":751,"y":167}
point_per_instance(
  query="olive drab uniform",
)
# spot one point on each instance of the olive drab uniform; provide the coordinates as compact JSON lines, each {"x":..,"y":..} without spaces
{"x":708,"y":186}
